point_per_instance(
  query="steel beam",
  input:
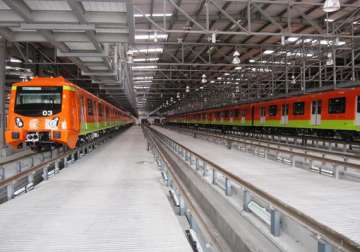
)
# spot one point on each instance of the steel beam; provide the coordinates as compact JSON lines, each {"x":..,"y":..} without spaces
{"x":2,"y":90}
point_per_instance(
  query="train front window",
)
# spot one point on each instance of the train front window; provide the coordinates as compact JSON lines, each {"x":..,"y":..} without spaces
{"x":38,"y":101}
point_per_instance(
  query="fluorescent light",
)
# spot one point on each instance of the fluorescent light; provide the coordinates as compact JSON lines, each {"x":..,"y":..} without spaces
{"x":154,"y":15}
{"x":143,"y":81}
{"x":150,"y":36}
{"x":145,"y":59}
{"x":292,"y":39}
{"x":252,"y":61}
{"x":329,"y":20}
{"x":238,"y":68}
{"x":268,"y":51}
{"x":146,"y":50}
{"x":143,"y":78}
{"x":144,"y":67}
{"x":330,"y":42}
{"x":15,"y":60}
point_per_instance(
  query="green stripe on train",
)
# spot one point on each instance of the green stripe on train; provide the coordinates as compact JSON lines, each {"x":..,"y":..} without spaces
{"x":325,"y":124}
{"x":93,"y":127}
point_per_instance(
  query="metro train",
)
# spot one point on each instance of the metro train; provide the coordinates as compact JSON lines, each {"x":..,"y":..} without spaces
{"x":49,"y":111}
{"x":334,"y":113}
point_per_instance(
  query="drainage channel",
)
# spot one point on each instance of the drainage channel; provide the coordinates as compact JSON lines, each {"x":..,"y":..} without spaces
{"x":229,"y":214}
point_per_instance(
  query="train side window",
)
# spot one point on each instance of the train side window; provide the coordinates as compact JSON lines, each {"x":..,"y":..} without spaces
{"x":272,"y":110}
{"x":101,"y":111}
{"x":298,"y":108}
{"x":337,"y":105}
{"x":90,"y":107}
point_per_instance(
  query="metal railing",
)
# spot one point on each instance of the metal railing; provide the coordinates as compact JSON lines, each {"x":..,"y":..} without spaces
{"x":321,"y":161}
{"x":326,"y":236}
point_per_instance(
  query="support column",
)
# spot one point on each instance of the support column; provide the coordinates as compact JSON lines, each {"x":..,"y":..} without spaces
{"x":2,"y":90}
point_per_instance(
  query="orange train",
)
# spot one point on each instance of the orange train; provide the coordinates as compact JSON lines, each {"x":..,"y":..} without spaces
{"x":328,"y":113}
{"x":47,"y":111}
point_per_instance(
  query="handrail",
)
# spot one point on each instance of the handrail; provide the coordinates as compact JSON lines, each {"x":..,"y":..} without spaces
{"x":336,"y":238}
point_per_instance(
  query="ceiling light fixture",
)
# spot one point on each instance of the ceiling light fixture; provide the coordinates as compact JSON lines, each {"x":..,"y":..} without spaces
{"x":236,"y":59}
{"x":147,"y":50}
{"x":203,"y":79}
{"x":151,"y":36}
{"x":154,"y":15}
{"x":144,"y":67}
{"x":145,"y":59}
{"x":331,"y":5}
{"x":330,"y":60}
{"x":268,"y":52}
{"x":213,"y":38}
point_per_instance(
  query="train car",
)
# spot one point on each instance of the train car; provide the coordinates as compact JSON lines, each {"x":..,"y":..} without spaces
{"x":48,"y":111}
{"x":329,"y":113}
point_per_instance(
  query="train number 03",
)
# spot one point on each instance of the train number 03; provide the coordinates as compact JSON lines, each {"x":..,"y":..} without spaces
{"x":47,"y":112}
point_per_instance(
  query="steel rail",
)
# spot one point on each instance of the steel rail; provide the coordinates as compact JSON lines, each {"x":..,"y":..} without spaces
{"x":170,"y":164}
{"x":26,"y":155}
{"x":336,"y":238}
{"x":295,"y":153}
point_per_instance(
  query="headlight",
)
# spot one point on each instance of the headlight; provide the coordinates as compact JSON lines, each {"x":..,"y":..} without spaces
{"x":54,"y":122}
{"x":19,"y":122}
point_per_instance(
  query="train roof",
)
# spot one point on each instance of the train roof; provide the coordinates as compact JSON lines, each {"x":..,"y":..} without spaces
{"x":55,"y":81}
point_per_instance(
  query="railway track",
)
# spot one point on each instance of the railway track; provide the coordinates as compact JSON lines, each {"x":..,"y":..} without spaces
{"x":21,"y":174}
{"x":338,"y":164}
{"x":315,"y":142}
{"x":250,"y":199}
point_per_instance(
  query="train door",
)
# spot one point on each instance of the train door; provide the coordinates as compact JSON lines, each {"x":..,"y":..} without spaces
{"x":284,"y":114}
{"x":82,"y":113}
{"x":252,"y":115}
{"x":357,"y":117}
{"x":316,"y":112}
{"x":262,"y":115}
{"x":96,"y":112}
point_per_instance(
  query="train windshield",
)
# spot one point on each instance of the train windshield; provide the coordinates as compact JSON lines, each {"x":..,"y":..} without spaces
{"x":38,"y":101}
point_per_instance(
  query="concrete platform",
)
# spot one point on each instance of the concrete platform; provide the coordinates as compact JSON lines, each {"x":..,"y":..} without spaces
{"x":110,"y":200}
{"x":335,"y":203}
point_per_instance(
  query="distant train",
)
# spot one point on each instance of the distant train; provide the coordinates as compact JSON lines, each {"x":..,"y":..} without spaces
{"x":329,"y":113}
{"x":47,"y":111}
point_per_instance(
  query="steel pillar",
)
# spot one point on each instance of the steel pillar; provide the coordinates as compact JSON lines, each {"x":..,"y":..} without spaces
{"x":2,"y":90}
